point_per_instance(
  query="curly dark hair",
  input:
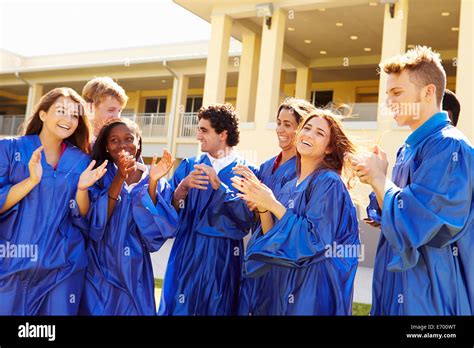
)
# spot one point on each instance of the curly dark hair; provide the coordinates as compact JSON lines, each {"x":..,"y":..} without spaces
{"x":223,"y":118}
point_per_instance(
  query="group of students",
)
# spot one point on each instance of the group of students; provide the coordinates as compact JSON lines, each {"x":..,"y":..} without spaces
{"x":96,"y":211}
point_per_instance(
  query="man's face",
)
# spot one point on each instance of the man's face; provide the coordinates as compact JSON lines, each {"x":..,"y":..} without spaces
{"x":404,"y":99}
{"x":108,"y":108}
{"x":211,"y":142}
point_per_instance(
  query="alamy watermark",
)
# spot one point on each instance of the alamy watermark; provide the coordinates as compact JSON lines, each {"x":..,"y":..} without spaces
{"x":21,"y":251}
{"x":345,"y":251}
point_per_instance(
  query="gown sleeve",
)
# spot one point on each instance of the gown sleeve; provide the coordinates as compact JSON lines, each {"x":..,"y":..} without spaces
{"x":434,"y":208}
{"x":5,"y":158}
{"x":298,"y":239}
{"x":373,"y":210}
{"x":156,"y":223}
{"x":181,"y":172}
{"x":225,"y":215}
{"x":97,"y":215}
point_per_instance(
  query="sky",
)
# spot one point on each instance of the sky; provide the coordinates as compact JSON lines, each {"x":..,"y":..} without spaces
{"x":35,"y":28}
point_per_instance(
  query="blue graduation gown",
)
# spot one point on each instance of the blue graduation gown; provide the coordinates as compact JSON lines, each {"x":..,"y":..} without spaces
{"x":425,"y":262}
{"x":250,"y":288}
{"x":119,"y":278}
{"x":276,"y":180}
{"x":47,"y":219}
{"x":203,"y":273}
{"x":311,"y":254}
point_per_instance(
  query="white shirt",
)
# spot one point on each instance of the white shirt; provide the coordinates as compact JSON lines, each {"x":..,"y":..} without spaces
{"x":220,"y":163}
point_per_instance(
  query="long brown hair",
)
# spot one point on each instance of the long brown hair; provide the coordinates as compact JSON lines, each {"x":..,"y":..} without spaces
{"x":81,"y":137}
{"x":339,"y":143}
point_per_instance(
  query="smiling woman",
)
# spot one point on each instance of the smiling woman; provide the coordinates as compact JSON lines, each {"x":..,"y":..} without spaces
{"x":44,"y":181}
{"x":309,"y":214}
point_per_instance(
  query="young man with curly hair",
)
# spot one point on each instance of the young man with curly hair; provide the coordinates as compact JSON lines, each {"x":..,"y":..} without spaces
{"x":203,"y":273}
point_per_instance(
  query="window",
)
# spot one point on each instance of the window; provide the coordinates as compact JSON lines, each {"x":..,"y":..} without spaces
{"x":155,"y":105}
{"x":193,"y":104}
{"x":321,"y":98}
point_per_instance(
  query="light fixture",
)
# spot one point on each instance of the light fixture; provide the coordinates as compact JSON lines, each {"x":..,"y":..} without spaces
{"x":354,"y":37}
{"x":392,"y":6}
{"x":323,"y":52}
{"x":163,"y":81}
{"x":367,"y":49}
{"x":445,"y":14}
{"x":307,"y":41}
{"x":339,"y":24}
{"x":455,"y":28}
{"x":372,"y":4}
{"x":266,"y":11}
{"x":291,"y":29}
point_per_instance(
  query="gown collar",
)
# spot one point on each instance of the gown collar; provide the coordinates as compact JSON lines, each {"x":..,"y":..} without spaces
{"x":437,"y":121}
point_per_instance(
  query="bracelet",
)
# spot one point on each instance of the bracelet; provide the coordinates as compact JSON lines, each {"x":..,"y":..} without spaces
{"x":115,"y":199}
{"x":262,"y":212}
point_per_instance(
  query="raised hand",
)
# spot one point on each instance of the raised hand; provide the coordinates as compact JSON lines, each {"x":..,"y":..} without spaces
{"x":126,"y":164}
{"x":210,"y":173}
{"x":34,"y":166}
{"x":90,"y":176}
{"x":160,"y":169}
{"x":244,"y":171}
{"x":370,"y":167}
{"x":196,"y":179}
{"x":254,"y":192}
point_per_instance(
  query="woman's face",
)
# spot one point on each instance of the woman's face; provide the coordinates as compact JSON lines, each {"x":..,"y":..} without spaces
{"x":62,"y":118}
{"x":313,"y":140}
{"x":122,"y":138}
{"x":286,"y":129}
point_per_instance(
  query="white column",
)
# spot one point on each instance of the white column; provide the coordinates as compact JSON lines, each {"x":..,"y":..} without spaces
{"x":393,"y":43}
{"x":217,"y":60}
{"x":178,"y":106}
{"x":304,"y":77}
{"x":269,"y":75}
{"x":35,"y":92}
{"x":248,"y":75}
{"x":465,"y":70}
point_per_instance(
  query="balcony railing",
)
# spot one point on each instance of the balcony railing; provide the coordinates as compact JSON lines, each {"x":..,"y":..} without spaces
{"x":188,"y":126}
{"x":152,"y":125}
{"x":364,"y":112}
{"x":9,"y":125}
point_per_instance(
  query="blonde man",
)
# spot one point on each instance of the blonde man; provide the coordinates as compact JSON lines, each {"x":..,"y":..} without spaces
{"x":106,"y":100}
{"x":425,"y":260}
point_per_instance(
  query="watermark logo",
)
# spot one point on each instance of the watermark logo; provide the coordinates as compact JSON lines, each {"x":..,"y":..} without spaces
{"x":345,"y":251}
{"x":20,"y":251}
{"x":37,"y":331}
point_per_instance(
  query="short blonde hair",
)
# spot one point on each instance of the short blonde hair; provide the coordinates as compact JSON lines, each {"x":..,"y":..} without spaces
{"x":100,"y":87}
{"x":424,"y":67}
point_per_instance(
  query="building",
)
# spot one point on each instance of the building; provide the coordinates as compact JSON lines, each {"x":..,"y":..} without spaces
{"x":322,"y":50}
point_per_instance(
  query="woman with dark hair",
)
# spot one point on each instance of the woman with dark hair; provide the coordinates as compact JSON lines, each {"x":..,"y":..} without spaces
{"x":131,"y":216}
{"x":275,"y":173}
{"x":44,"y":180}
{"x":308,"y":240}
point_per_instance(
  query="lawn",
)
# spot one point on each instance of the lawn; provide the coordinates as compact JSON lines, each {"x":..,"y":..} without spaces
{"x":357,"y":308}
